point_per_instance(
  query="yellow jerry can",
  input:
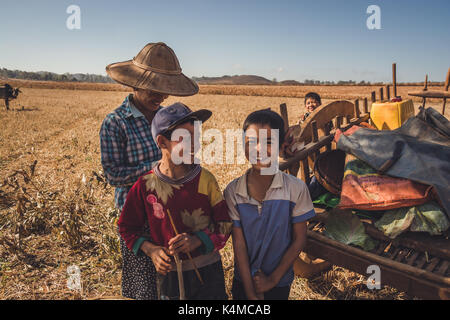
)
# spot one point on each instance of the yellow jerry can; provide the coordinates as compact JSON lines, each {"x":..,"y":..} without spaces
{"x":391,"y":115}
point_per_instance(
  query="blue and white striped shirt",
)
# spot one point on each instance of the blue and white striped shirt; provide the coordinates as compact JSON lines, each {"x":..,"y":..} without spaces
{"x":267,"y":226}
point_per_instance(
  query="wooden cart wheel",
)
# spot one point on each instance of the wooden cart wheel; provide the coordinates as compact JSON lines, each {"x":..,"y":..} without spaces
{"x":322,"y":116}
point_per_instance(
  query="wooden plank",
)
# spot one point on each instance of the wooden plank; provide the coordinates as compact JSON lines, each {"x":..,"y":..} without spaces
{"x":430,"y":94}
{"x":314,"y":132}
{"x":304,"y":153}
{"x":312,"y":224}
{"x":356,"y":111}
{"x":327,"y":132}
{"x":413,"y":285}
{"x":305,"y":167}
{"x":447,"y":83}
{"x":284,"y":115}
{"x":413,"y":258}
{"x":374,"y":96}
{"x":433,"y":264}
{"x":379,"y":260}
{"x":402,"y":254}
{"x":323,"y":115}
{"x":425,"y":88}
{"x":394,"y":253}
{"x":437,"y":245}
{"x":420,"y":263}
{"x":366,"y":106}
{"x":348,"y":120}
{"x":315,"y":138}
{"x":394,"y":78}
{"x":443,"y":268}
{"x":339,"y":120}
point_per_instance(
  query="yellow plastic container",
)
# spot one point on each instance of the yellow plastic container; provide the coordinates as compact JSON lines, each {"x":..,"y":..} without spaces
{"x":391,"y":115}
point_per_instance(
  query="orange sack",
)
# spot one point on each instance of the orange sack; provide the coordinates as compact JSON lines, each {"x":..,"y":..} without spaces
{"x":364,"y":188}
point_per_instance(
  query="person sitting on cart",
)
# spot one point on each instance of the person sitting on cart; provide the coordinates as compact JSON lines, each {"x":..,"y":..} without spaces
{"x":312,"y":102}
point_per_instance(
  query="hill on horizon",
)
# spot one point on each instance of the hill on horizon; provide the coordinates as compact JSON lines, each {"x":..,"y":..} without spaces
{"x":236,"y":79}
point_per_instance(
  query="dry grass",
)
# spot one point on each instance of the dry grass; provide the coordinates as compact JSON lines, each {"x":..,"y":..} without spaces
{"x":59,"y":212}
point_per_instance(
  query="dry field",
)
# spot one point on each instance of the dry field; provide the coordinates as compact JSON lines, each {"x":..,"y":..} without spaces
{"x":60,"y":212}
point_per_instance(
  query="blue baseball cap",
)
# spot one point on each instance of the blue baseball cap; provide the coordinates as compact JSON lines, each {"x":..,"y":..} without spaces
{"x":170,"y":117}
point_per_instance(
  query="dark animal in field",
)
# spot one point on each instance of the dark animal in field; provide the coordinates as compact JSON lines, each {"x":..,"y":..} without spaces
{"x":8,"y":93}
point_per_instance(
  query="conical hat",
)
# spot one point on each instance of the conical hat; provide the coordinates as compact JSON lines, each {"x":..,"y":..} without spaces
{"x":155,"y":68}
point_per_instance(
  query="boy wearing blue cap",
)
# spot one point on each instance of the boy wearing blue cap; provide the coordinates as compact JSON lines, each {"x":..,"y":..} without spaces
{"x":178,"y":210}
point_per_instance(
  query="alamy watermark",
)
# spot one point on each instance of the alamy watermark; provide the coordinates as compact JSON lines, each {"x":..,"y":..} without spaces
{"x":373,"y":22}
{"x":73,"y":22}
{"x":208,"y":147}
{"x":374,"y":281}
{"x":74,"y":280}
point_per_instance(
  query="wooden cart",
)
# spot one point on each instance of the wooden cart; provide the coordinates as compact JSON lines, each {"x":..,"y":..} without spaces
{"x":415,"y":263}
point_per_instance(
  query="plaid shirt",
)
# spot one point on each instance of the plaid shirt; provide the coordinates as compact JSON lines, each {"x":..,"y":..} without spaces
{"x":127,"y":148}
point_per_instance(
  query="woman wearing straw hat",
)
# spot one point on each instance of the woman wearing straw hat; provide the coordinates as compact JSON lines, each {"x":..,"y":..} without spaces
{"x":127,"y":147}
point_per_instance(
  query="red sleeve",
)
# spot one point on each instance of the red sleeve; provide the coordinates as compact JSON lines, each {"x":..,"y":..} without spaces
{"x":132,"y":219}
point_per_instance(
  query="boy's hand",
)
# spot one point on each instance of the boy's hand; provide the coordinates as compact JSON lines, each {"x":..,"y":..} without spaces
{"x":159,"y":256}
{"x":303,"y":117}
{"x":262,"y":282}
{"x":183,"y":243}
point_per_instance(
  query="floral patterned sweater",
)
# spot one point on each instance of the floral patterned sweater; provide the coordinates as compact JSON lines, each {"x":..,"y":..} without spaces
{"x":196,"y":205}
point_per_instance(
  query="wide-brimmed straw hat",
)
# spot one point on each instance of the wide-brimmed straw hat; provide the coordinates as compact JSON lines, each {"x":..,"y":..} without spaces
{"x":155,"y":68}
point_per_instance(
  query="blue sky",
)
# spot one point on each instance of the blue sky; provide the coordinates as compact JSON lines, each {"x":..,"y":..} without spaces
{"x":321,"y":39}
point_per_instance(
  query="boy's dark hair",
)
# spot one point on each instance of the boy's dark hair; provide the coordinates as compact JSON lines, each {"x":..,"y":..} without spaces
{"x":266,"y":116}
{"x":314,"y":96}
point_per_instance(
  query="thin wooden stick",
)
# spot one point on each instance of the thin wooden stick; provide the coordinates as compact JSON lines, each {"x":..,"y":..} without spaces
{"x":425,"y":88}
{"x":188,"y":254}
{"x":356,"y":112}
{"x":394,"y":78}
{"x":446,"y":85}
{"x":284,"y":115}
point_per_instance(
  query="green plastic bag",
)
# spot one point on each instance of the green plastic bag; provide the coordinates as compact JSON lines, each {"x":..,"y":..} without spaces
{"x":427,"y":217}
{"x":327,"y":199}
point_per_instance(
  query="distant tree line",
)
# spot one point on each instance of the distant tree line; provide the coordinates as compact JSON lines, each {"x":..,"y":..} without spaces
{"x":50,"y":76}
{"x":342,"y":83}
{"x":236,"y":79}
